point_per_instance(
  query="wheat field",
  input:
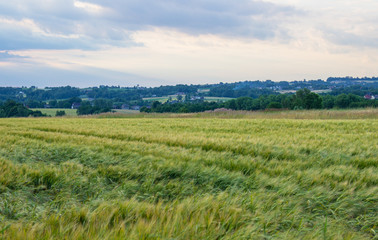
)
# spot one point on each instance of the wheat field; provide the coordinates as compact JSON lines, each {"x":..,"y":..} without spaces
{"x":188,"y":178}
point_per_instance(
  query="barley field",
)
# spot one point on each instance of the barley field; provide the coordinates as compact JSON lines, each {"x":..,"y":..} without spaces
{"x":188,"y":178}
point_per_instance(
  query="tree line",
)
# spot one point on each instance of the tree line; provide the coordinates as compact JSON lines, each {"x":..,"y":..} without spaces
{"x":14,"y":109}
{"x":36,"y":97}
{"x":302,"y":99}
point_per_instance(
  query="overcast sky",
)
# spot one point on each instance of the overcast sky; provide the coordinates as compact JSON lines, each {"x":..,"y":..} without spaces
{"x":166,"y":42}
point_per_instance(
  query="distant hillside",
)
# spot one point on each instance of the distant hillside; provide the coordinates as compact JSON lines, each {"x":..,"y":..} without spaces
{"x":64,"y":97}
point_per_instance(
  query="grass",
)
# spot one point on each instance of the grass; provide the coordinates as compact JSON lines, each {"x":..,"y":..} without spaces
{"x":217,"y":99}
{"x":367,"y":113}
{"x":189,"y":178}
{"x":315,"y":91}
{"x":161,"y":99}
{"x":125,"y":111}
{"x":52,"y":111}
{"x":72,"y":112}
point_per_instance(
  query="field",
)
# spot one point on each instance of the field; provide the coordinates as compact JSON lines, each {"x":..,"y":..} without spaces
{"x":315,"y":91}
{"x":52,"y":111}
{"x":160,"y":99}
{"x":72,"y":112}
{"x":203,"y":177}
{"x":216,"y":99}
{"x":126,"y":111}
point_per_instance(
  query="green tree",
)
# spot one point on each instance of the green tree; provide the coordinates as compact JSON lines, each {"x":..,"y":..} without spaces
{"x":328,"y":101}
{"x":231,"y":104}
{"x":305,"y":99}
{"x":60,"y":113}
{"x":155,"y":104}
{"x":342,"y":101}
{"x":274,"y":105}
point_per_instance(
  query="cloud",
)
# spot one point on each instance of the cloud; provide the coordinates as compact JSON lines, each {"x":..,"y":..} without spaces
{"x":350,"y":39}
{"x":256,"y":19}
{"x":91,"y":42}
{"x":95,"y":24}
{"x":72,"y":24}
{"x":29,"y":34}
{"x":348,"y":25}
{"x":5,"y":55}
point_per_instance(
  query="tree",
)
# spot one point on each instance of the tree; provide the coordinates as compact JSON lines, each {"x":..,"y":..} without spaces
{"x":85,"y":109}
{"x":274,"y":105}
{"x":53,"y":103}
{"x":244,"y":103}
{"x":14,"y":109}
{"x":156,"y":104}
{"x":184,"y":109}
{"x":328,"y":101}
{"x":313,"y":101}
{"x":305,"y":99}
{"x":60,"y":113}
{"x":103,"y":103}
{"x":145,"y":109}
{"x":231,"y":104}
{"x":342,"y":101}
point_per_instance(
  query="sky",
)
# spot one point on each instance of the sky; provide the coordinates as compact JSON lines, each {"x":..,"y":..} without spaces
{"x":168,"y":42}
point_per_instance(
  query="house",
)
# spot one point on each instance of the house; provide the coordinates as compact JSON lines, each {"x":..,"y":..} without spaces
{"x":135,"y":108}
{"x":369,"y":96}
{"x":194,"y":98}
{"x":125,"y":106}
{"x":75,"y":105}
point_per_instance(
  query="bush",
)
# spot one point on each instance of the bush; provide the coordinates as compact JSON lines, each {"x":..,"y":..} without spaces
{"x":274,"y":105}
{"x":60,"y":113}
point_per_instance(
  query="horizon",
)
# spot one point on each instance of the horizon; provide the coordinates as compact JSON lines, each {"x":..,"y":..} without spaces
{"x":96,"y":42}
{"x":215,"y":83}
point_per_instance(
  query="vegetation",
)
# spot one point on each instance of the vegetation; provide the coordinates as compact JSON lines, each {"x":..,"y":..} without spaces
{"x":302,"y":99}
{"x":13,"y":109}
{"x":87,"y":108}
{"x":122,"y":111}
{"x":361,"y":113}
{"x":52,"y":111}
{"x":64,"y":97}
{"x":189,"y":178}
{"x":60,"y":113}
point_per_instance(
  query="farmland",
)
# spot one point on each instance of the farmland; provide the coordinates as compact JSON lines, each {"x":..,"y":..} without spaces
{"x":200,"y":177}
{"x":52,"y":111}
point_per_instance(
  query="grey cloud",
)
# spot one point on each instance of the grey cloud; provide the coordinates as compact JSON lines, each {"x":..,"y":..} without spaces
{"x":256,"y":19}
{"x":243,"y":18}
{"x":20,"y":40}
{"x":349,"y":39}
